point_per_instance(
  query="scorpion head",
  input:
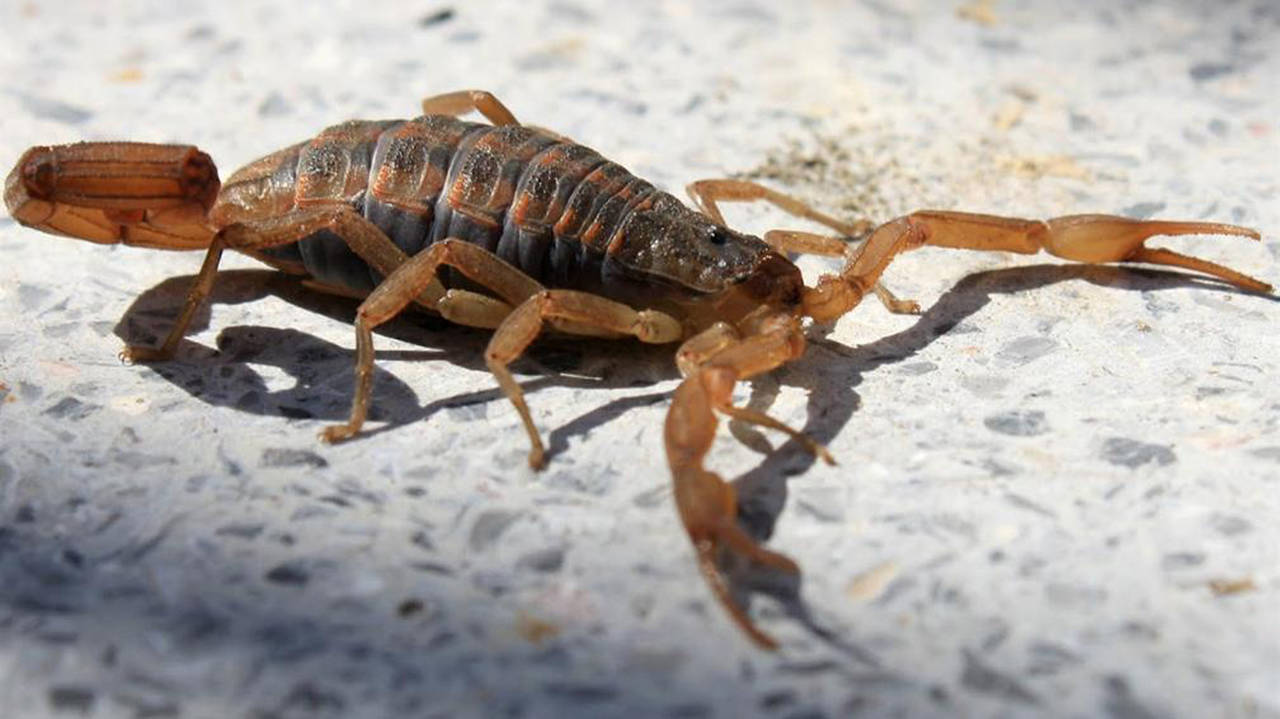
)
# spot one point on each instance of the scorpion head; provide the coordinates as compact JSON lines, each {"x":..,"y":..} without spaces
{"x":711,"y":266}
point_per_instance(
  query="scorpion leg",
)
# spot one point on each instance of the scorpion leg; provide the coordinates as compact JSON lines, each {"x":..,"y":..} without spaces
{"x":707,"y":504}
{"x":572,"y":311}
{"x":407,"y":283}
{"x":362,"y":236}
{"x":460,"y":102}
{"x":706,"y":193}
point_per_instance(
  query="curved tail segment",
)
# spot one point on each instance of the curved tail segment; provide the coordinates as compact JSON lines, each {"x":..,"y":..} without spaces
{"x":138,"y":194}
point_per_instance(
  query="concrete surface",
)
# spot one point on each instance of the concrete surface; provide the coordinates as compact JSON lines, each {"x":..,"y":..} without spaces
{"x":1057,"y":490}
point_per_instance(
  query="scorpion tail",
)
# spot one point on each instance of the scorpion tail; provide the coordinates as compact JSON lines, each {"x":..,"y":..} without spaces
{"x":138,"y":194}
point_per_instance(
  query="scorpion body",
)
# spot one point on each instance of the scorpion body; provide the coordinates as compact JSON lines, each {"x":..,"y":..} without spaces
{"x":520,"y":230}
{"x":555,"y":210}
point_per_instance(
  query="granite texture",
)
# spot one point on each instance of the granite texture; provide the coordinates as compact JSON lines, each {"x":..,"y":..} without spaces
{"x":1057,"y":490}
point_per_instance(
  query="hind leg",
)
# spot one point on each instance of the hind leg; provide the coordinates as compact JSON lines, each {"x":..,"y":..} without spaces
{"x":460,"y":102}
{"x":362,"y":236}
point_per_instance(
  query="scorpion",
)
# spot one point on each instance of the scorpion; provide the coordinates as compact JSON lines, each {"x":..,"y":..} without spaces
{"x":517,"y":229}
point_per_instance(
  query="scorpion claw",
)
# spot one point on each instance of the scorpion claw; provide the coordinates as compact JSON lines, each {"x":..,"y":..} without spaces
{"x":708,"y":508}
{"x":1104,"y":238}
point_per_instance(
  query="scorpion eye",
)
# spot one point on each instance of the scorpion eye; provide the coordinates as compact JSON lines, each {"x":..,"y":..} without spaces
{"x":718,"y":236}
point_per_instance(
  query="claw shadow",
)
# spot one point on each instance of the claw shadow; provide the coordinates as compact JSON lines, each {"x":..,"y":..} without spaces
{"x":225,"y":377}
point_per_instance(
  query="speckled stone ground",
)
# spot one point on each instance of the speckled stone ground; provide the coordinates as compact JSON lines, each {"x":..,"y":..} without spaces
{"x":1057,"y":490}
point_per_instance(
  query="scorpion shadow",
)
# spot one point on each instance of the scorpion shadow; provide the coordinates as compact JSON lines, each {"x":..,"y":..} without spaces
{"x":321,"y":371}
{"x":225,"y":377}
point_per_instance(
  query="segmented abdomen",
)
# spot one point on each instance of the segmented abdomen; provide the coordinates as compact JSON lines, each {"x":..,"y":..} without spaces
{"x":547,"y":206}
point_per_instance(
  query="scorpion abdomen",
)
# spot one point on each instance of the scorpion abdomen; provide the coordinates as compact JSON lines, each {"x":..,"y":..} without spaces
{"x":547,"y":206}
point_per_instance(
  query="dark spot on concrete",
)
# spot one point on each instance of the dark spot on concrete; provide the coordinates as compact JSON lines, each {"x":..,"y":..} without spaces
{"x":1143,"y":210}
{"x":1048,"y":658}
{"x":543,"y":560}
{"x":776,"y":699}
{"x":73,"y":558}
{"x":32,"y":296}
{"x":274,"y":105}
{"x":302,"y":514}
{"x":1026,"y":349}
{"x":1140,"y":630}
{"x":71,"y":409}
{"x":612,"y":102}
{"x":422,"y":540}
{"x":1181,"y":560}
{"x":1202,"y":71}
{"x":25,"y":513}
{"x":240,"y":530}
{"x":489,"y":526}
{"x":1001,"y":44}
{"x":291,"y":573}
{"x":1074,"y":595}
{"x":984,"y":385}
{"x":140,"y":460}
{"x":71,"y":699}
{"x":409,"y":607}
{"x":690,"y":711}
{"x":915,"y":369}
{"x":276,"y":457}
{"x":1230,"y":525}
{"x":1121,"y":704}
{"x":581,"y":692}
{"x":49,"y":109}
{"x":39,"y":605}
{"x":309,"y":700}
{"x":1080,"y":123}
{"x":1024,"y":503}
{"x":1133,"y":454}
{"x":1205,"y":392}
{"x":443,"y":570}
{"x":439,"y":17}
{"x":201,"y":32}
{"x":1018,"y":423}
{"x":981,"y":678}
{"x":1271,"y":453}
{"x":1219,"y":127}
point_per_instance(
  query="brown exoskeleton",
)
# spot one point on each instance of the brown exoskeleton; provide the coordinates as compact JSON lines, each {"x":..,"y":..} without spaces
{"x":548,"y":235}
